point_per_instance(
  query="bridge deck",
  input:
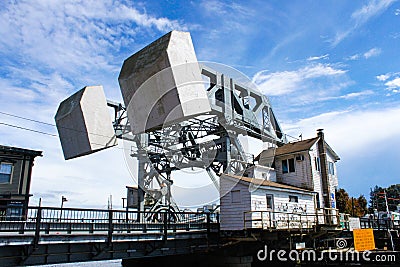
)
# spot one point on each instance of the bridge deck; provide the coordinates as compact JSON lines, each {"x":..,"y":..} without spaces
{"x":53,"y":235}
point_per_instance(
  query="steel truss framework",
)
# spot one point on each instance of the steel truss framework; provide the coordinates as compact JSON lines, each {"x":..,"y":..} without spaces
{"x":208,"y":141}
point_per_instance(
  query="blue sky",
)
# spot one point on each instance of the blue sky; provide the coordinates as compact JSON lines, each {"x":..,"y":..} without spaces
{"x":332,"y":65}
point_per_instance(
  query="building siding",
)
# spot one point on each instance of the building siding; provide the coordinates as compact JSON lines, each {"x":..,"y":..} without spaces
{"x":300,"y":177}
{"x":232,"y":214}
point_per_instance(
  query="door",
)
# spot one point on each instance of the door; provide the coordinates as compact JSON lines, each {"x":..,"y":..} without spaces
{"x":269,"y":216}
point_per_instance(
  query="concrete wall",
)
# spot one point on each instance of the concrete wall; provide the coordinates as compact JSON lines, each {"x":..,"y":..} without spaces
{"x":84,"y":123}
{"x":162,"y":84}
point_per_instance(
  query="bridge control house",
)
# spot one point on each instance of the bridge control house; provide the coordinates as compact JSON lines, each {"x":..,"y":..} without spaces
{"x":295,"y":181}
{"x":15,"y":180}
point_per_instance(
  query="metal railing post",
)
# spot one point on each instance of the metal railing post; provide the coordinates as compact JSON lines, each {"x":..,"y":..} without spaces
{"x":22,"y":226}
{"x":244,"y":220}
{"x":262,"y":220}
{"x":208,"y":224}
{"x":270,"y":219}
{"x":37,"y":229}
{"x":165,"y":237}
{"x":110,"y":227}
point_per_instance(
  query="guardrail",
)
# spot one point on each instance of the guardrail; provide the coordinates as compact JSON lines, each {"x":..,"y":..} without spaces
{"x":380,"y":224}
{"x":274,"y":220}
{"x":47,"y":220}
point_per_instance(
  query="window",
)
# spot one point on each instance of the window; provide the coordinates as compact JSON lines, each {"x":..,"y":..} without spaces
{"x":331,"y":168}
{"x":5,"y":172}
{"x":288,"y":165}
{"x":291,"y":165}
{"x":270,"y":202}
{"x":294,"y":199}
{"x":317,"y":164}
{"x":318,"y":201}
{"x":235,"y":194}
{"x":285,"y":168}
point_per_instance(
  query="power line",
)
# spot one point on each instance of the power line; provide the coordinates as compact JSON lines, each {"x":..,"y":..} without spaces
{"x":49,"y":134}
{"x":53,"y":125}
{"x":27,"y":119}
{"x":27,"y":129}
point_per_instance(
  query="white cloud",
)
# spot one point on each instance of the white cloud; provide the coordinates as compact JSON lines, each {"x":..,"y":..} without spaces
{"x":75,"y":36}
{"x":360,"y":16}
{"x":49,"y":50}
{"x":373,"y":8}
{"x":280,"y":83}
{"x":373,"y":52}
{"x":351,"y":132}
{"x":392,"y":82}
{"x":357,"y":94}
{"x":397,"y":12}
{"x":350,"y":95}
{"x":395,"y":83}
{"x":354,"y":57}
{"x":326,"y":56}
{"x":383,"y":77}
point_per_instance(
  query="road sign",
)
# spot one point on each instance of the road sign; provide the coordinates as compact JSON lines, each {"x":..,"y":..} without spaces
{"x":363,"y":239}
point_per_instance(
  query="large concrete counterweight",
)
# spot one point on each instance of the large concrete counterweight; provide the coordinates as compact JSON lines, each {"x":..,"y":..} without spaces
{"x":162,"y":84}
{"x":84,"y":123}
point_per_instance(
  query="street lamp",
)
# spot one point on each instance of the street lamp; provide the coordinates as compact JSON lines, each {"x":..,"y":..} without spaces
{"x":63,"y":199}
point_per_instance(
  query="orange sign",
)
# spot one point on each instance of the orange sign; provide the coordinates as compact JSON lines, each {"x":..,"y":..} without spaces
{"x":363,"y":239}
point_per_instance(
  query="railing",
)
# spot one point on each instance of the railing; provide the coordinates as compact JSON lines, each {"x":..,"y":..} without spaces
{"x":48,"y":220}
{"x":273,"y":220}
{"x":380,"y":224}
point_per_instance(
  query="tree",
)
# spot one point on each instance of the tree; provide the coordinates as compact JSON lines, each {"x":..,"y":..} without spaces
{"x":342,"y":200}
{"x":362,"y":205}
{"x":350,"y":205}
{"x":377,"y":198}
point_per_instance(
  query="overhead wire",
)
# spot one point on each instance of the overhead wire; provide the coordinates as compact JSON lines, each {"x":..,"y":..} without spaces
{"x":27,"y":129}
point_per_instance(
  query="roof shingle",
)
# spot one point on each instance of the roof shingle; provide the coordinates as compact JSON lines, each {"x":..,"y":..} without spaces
{"x":263,"y":182}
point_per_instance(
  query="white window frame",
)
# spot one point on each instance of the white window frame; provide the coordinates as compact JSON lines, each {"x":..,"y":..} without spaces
{"x":317,"y":164}
{"x":331,"y":168}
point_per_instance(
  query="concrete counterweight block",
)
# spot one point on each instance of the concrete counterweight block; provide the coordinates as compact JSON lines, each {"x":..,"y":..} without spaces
{"x":162,"y":84}
{"x":84,"y":123}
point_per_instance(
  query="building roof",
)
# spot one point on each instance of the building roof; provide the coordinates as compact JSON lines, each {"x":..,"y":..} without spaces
{"x":335,"y":156}
{"x":295,"y":147}
{"x":22,"y":151}
{"x":262,"y":182}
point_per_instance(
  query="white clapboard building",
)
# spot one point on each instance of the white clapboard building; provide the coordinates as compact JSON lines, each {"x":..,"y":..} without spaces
{"x":286,"y":187}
